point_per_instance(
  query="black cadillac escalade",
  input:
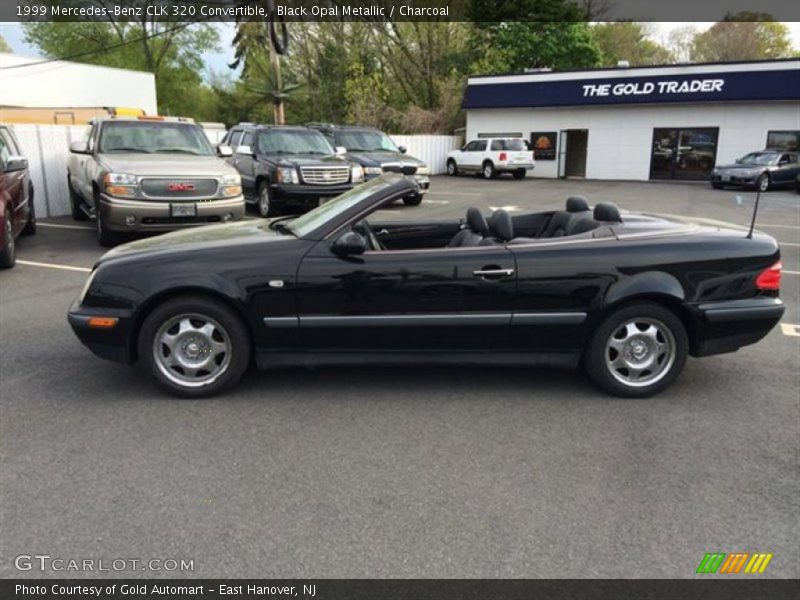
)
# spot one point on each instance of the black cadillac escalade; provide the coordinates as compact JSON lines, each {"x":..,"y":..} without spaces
{"x":286,"y":167}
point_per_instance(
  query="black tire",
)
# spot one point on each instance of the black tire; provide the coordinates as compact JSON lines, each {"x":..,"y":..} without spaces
{"x":8,"y":252}
{"x":76,"y":204}
{"x":663,"y":369}
{"x":452,"y":167}
{"x":413,"y":200}
{"x":105,"y":237}
{"x":232,"y":334}
{"x":30,"y":224}
{"x":763,"y":182}
{"x":488,"y":171}
{"x":519,"y":174}
{"x":266,"y":204}
{"x":716,"y":186}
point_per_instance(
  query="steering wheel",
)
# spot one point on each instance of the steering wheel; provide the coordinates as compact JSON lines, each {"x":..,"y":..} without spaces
{"x":364,"y":225}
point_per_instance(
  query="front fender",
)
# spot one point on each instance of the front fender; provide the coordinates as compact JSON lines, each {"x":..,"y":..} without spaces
{"x":648,"y":282}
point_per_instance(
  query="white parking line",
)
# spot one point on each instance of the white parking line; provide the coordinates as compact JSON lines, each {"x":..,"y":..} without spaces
{"x":790,"y":329}
{"x":60,"y":226}
{"x":777,"y":226}
{"x":438,"y":193}
{"x":31,"y":263}
{"x":785,"y":272}
{"x":789,"y":244}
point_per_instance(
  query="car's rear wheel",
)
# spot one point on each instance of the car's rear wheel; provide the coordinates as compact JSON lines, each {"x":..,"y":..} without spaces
{"x":30,"y":224}
{"x":519,"y":174}
{"x":413,"y":200}
{"x":194,"y":346}
{"x":762,"y":183}
{"x":637,"y":351}
{"x":452,"y":167}
{"x":488,"y":170}
{"x":8,"y":253}
{"x":76,"y":204}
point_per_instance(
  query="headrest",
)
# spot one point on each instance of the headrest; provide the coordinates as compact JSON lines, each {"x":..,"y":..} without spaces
{"x":607,"y":211}
{"x":577,"y":204}
{"x":502,"y":225}
{"x":476,"y":221}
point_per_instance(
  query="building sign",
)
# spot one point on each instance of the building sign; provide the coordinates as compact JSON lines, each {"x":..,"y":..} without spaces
{"x":544,"y":145}
{"x":518,"y":91}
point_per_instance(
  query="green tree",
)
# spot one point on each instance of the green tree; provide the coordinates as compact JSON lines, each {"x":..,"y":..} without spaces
{"x":627,"y":40}
{"x":171,"y":51}
{"x":4,"y":47}
{"x":743,"y":36}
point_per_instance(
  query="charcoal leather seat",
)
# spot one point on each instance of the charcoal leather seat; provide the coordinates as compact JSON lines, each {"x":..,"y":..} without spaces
{"x":565,"y":222}
{"x":475,"y":231}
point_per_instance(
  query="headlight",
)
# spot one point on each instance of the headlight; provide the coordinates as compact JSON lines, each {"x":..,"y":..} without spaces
{"x":230,"y":185}
{"x":373,"y":170}
{"x":120,"y":184}
{"x":357,"y":173}
{"x":287,"y":175}
{"x":86,"y":286}
{"x":423,"y":170}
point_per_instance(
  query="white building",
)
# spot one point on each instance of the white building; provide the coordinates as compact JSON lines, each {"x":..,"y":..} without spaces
{"x":669,"y":122}
{"x":37,"y":83}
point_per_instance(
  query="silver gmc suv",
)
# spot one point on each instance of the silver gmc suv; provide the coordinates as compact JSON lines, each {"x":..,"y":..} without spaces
{"x":150,"y":174}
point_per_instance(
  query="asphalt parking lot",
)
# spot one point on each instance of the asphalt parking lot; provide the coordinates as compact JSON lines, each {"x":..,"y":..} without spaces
{"x":400,"y":472}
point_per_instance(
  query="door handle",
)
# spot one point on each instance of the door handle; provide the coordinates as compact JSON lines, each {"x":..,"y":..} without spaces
{"x":493,"y":273}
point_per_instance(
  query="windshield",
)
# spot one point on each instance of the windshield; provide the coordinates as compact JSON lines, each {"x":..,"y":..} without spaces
{"x":359,"y":140}
{"x":759,"y":158}
{"x":292,"y":141}
{"x":154,"y":137}
{"x":305,"y":224}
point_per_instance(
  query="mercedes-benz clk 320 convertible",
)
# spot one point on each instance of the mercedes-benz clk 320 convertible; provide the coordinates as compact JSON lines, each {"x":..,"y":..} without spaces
{"x":628,"y":296}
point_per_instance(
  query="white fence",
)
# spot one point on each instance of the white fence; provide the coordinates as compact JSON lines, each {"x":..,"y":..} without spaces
{"x":47,"y":150}
{"x":432,"y":149}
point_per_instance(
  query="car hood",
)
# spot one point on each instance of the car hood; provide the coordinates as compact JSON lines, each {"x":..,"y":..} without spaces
{"x":306,"y":160}
{"x":166,"y":164}
{"x":198,"y":238}
{"x":740,"y":167}
{"x":376,"y":159}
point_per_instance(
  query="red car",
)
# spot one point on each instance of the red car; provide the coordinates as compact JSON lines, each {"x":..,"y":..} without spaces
{"x":17,"y":215}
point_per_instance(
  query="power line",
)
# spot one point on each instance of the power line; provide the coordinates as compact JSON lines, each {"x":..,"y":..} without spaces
{"x":99,"y":50}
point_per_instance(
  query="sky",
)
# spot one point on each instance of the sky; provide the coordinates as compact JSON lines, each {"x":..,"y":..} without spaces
{"x":217,"y":61}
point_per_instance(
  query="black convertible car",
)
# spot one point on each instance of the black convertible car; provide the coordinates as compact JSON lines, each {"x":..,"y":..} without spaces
{"x":627,"y":295}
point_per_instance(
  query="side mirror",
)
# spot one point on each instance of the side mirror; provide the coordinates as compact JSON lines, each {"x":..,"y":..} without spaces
{"x":78,"y":148}
{"x":402,"y":149}
{"x":244,"y":150}
{"x":349,"y":244}
{"x":224,"y":150}
{"x":340,"y":150}
{"x":16,"y":163}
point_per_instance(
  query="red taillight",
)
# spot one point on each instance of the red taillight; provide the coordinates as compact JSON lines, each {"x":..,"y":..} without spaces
{"x":770,"y":278}
{"x":503,"y":156}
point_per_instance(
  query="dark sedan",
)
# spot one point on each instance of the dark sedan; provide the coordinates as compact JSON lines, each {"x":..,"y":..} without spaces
{"x":759,"y":170}
{"x":629,"y":296}
{"x":17,"y":215}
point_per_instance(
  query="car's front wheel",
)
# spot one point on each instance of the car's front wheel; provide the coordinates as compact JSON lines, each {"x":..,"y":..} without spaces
{"x":637,"y":351}
{"x":8,"y":252}
{"x":452,"y":168}
{"x":105,"y":237}
{"x":267,"y":205}
{"x":194,"y":346}
{"x":762,"y":183}
{"x":413,"y":200}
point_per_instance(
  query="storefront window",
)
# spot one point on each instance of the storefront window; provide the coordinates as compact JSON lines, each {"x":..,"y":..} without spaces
{"x":784,"y":140}
{"x":683,"y":153}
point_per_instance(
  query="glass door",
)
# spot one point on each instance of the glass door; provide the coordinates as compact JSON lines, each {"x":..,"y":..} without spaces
{"x":683,"y":154}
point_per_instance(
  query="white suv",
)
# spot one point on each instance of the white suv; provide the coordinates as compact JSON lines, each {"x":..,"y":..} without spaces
{"x":491,"y":157}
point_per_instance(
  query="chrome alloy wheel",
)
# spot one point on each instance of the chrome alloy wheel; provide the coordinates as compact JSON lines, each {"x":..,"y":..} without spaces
{"x":192,"y":350}
{"x":263,"y":201}
{"x":9,"y":235}
{"x":640,"y":352}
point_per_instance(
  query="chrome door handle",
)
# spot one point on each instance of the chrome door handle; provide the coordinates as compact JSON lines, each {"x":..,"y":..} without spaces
{"x":493,"y":272}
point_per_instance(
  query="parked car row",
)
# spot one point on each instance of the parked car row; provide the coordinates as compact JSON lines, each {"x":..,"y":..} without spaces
{"x":17,"y":214}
